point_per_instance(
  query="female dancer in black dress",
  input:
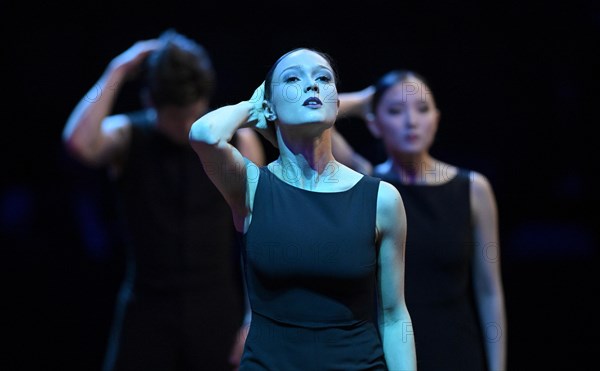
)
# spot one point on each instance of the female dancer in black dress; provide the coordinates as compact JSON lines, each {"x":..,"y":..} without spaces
{"x":324,"y":244}
{"x":453,"y":283}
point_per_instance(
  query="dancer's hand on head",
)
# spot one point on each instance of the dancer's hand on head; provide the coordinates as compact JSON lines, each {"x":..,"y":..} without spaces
{"x":131,"y":59}
{"x":258,"y":119}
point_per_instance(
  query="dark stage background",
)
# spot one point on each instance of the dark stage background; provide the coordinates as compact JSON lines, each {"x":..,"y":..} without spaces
{"x":516,"y":82}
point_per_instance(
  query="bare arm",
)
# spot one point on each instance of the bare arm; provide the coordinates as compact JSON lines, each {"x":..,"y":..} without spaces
{"x":90,"y":134}
{"x":235,"y":356}
{"x":352,"y":104}
{"x":234,"y":176}
{"x":357,"y":104}
{"x":344,"y":153}
{"x":394,"y":319}
{"x":250,"y":146}
{"x":487,"y":273}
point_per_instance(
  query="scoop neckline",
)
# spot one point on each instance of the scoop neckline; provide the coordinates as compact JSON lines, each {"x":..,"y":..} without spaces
{"x":362,"y":178}
{"x":421,"y":185}
{"x":395,"y":179}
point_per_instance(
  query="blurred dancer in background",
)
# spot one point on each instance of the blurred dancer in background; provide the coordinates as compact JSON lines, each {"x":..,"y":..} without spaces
{"x":454,"y":289}
{"x":179,"y":307}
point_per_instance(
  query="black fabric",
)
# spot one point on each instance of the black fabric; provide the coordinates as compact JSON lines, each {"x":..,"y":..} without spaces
{"x":310,"y":264}
{"x":439,"y":286}
{"x":180,"y":307}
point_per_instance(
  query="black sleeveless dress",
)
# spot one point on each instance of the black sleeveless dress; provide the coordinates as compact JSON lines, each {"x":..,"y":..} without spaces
{"x":439,"y":282}
{"x":179,"y":306}
{"x":310,"y":264}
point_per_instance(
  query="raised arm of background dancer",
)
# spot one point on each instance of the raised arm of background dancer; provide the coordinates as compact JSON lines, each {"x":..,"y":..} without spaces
{"x":352,"y":104}
{"x":90,"y":134}
{"x":357,"y":103}
{"x":347,"y":155}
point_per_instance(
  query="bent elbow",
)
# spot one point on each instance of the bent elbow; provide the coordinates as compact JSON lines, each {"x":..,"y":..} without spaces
{"x":201,"y":132}
{"x":82,"y":152}
{"x":73,"y":147}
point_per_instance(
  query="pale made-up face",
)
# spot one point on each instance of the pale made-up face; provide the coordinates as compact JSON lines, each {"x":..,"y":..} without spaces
{"x":303,"y":90}
{"x":406,"y":118}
